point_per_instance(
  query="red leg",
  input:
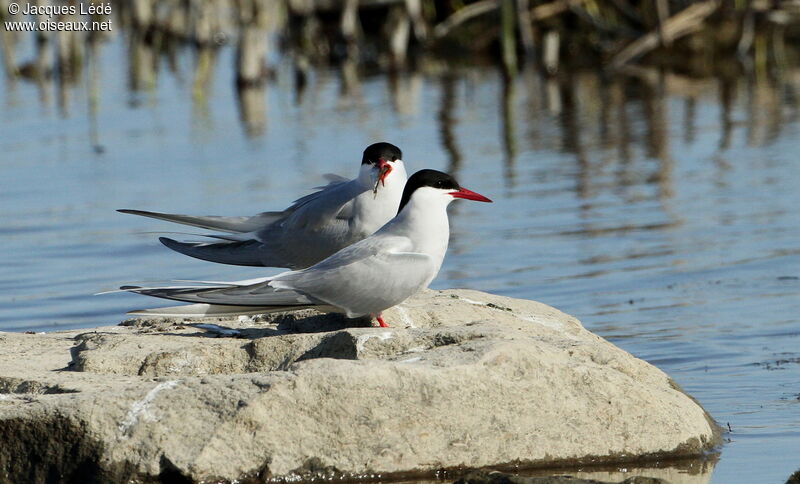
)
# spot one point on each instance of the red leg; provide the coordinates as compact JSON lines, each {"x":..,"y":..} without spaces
{"x":380,"y":322}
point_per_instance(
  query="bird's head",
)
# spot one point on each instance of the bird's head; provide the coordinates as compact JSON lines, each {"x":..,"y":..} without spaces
{"x":436,"y":187}
{"x":382,"y":163}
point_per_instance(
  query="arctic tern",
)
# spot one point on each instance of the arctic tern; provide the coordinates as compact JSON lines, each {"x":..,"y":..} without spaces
{"x":312,"y":228}
{"x":362,"y":279}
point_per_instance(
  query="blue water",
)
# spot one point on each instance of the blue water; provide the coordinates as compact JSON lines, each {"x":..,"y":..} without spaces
{"x":663,"y":215}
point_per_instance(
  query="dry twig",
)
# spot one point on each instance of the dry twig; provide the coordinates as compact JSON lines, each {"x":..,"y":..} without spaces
{"x":685,"y":22}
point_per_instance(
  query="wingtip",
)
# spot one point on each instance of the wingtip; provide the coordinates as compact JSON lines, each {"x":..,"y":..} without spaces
{"x":114,"y":291}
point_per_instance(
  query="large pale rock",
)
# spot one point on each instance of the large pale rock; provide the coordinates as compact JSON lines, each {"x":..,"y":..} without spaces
{"x":462,"y":379}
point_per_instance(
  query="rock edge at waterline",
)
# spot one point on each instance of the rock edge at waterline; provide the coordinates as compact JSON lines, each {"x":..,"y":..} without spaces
{"x":461,"y":379}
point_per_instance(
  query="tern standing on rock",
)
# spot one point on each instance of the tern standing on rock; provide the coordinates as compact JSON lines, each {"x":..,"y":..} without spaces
{"x":363,"y":279}
{"x":312,"y":228}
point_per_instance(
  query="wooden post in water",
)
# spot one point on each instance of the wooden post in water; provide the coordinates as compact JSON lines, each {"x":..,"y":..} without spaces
{"x":399,"y":30}
{"x":525,"y":25}
{"x":551,"y":47}
{"x":93,"y":86}
{"x":251,"y":49}
{"x":508,"y":39}
{"x":414,"y":9}
{"x":8,"y":41}
{"x":69,"y":47}
{"x":252,"y":101}
{"x":42,"y":66}
{"x":142,"y":62}
{"x":507,"y":104}
{"x":350,"y":27}
{"x":447,"y":121}
{"x":176,"y":19}
{"x":142,"y":12}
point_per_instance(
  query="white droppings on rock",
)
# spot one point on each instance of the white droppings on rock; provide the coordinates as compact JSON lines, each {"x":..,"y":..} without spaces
{"x":362,"y":340}
{"x":411,"y":360}
{"x":405,"y":317}
{"x":141,"y":408}
{"x":471,"y":301}
{"x":217,"y":329}
{"x":179,"y":364}
{"x":550,"y":323}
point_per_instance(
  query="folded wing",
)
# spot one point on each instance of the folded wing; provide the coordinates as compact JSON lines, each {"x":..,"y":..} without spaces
{"x":312,"y":228}
{"x":212,"y":310}
{"x":242,"y":224}
{"x":259,"y":294}
{"x":364,"y":278}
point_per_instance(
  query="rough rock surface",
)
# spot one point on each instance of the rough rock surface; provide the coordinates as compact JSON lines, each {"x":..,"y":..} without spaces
{"x":461,"y":379}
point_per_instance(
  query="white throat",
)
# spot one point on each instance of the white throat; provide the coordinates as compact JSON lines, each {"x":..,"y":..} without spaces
{"x":372,"y":209}
{"x":424,"y":221}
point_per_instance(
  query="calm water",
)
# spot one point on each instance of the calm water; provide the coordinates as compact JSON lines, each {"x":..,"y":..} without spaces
{"x":660,"y":210}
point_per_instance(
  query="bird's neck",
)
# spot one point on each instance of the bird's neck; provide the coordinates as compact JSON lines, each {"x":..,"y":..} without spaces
{"x":371,"y":210}
{"x":426,"y":224}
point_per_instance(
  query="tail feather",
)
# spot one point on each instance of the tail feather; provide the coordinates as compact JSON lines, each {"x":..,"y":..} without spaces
{"x":233,"y":237}
{"x":259,"y":295}
{"x":224,"y":300}
{"x":212,"y":222}
{"x":213,"y":310}
{"x":243,"y":253}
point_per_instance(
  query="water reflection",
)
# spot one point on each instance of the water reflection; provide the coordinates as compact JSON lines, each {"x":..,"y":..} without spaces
{"x":658,"y":206}
{"x":157,"y":36}
{"x":678,"y":471}
{"x":507,"y":128}
{"x":448,"y":122}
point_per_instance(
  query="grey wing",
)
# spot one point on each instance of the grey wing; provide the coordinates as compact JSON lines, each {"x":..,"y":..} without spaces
{"x":201,"y":310}
{"x":259,"y":294}
{"x":364,"y":278}
{"x":305,"y":233}
{"x":334,"y":178}
{"x":247,"y":224}
{"x":236,"y":252}
{"x":212,"y":222}
{"x":313,"y":231}
{"x":321,"y":207}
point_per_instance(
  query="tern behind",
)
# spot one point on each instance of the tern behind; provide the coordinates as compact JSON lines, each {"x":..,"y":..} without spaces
{"x":312,"y":228}
{"x":362,"y":279}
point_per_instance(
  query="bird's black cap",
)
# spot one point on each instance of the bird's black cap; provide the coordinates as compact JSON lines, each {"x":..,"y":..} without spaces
{"x":427,"y":178}
{"x":387,"y":151}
